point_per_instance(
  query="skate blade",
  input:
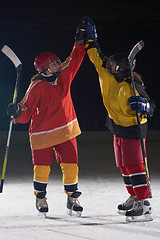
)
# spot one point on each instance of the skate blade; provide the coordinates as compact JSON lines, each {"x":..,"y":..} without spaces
{"x":42,"y":214}
{"x":121,"y":212}
{"x":142,"y":218}
{"x":73,"y":213}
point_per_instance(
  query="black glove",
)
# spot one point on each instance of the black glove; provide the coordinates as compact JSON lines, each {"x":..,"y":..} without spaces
{"x":14,"y":110}
{"x":80,"y":32}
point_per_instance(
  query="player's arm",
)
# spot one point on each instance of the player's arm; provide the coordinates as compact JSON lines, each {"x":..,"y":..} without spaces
{"x":73,"y":62}
{"x":92,"y":47}
{"x":23,"y":111}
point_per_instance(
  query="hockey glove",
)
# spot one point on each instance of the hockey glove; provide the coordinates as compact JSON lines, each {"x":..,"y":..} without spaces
{"x":80,"y":32}
{"x":139,"y":104}
{"x":91,"y":33}
{"x":14,"y":110}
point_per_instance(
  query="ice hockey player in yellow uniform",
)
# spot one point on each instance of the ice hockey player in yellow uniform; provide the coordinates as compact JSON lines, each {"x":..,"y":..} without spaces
{"x":121,"y":105}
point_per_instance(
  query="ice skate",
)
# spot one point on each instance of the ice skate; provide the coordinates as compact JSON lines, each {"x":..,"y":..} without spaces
{"x":42,"y":206}
{"x":140,"y":212}
{"x":73,"y":205}
{"x":127,"y":205}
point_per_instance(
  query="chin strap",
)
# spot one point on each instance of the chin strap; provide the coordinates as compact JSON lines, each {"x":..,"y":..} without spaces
{"x":44,"y":75}
{"x":51,"y":77}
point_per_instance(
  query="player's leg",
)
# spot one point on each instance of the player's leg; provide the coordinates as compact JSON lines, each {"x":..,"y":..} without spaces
{"x":141,"y":210}
{"x":42,"y":158}
{"x":67,"y":156}
{"x":118,"y":151}
{"x":132,"y":160}
{"x":128,"y":204}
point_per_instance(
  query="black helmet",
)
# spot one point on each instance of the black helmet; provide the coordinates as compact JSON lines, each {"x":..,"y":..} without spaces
{"x":122,"y":68}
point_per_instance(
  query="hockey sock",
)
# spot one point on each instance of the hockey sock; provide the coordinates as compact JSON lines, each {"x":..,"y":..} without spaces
{"x":70,"y":177}
{"x":127,"y":181}
{"x":40,"y":180}
{"x":137,"y":176}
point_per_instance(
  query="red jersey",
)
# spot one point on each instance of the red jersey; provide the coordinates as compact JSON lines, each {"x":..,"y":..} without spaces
{"x":50,"y":108}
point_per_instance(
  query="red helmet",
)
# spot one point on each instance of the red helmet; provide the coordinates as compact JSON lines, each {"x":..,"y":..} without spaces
{"x":42,"y":61}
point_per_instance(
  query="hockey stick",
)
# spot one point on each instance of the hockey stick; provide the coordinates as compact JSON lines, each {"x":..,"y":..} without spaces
{"x":18,"y":65}
{"x":131,"y":57}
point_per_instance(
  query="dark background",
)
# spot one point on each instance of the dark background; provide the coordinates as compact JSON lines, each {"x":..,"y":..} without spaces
{"x":30,"y":28}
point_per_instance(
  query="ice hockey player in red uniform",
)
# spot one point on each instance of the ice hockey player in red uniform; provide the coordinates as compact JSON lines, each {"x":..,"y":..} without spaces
{"x":54,"y":125}
{"x":121,"y":105}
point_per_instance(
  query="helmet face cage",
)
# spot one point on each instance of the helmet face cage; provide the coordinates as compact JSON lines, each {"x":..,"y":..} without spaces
{"x":122,"y":64}
{"x":122,"y":68}
{"x":58,"y":61}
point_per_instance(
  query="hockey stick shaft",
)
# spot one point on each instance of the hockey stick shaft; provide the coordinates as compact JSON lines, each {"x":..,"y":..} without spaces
{"x":142,"y":144}
{"x":139,"y":124}
{"x":11,"y":55}
{"x":131,"y":57}
{"x":6,"y":155}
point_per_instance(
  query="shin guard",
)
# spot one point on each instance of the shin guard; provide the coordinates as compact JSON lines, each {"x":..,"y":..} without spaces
{"x":127,"y":181}
{"x":135,"y":179}
{"x":138,"y":179}
{"x":70,"y":177}
{"x":40,"y":180}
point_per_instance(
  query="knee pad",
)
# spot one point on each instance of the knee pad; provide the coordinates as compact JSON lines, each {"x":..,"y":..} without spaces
{"x":137,"y":168}
{"x":41,"y":173}
{"x":70,"y":172}
{"x":70,"y":177}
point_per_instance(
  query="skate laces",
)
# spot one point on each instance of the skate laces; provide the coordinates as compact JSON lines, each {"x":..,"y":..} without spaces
{"x":129,"y":201}
{"x":137,"y":205}
{"x":42,"y":202}
{"x":74,"y":201}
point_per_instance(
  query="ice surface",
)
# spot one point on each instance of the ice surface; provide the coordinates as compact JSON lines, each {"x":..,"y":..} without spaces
{"x":102,"y":187}
{"x":19,"y":218}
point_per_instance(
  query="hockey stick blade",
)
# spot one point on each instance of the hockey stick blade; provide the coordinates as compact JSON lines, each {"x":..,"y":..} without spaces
{"x":135,"y":50}
{"x":11,"y":55}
